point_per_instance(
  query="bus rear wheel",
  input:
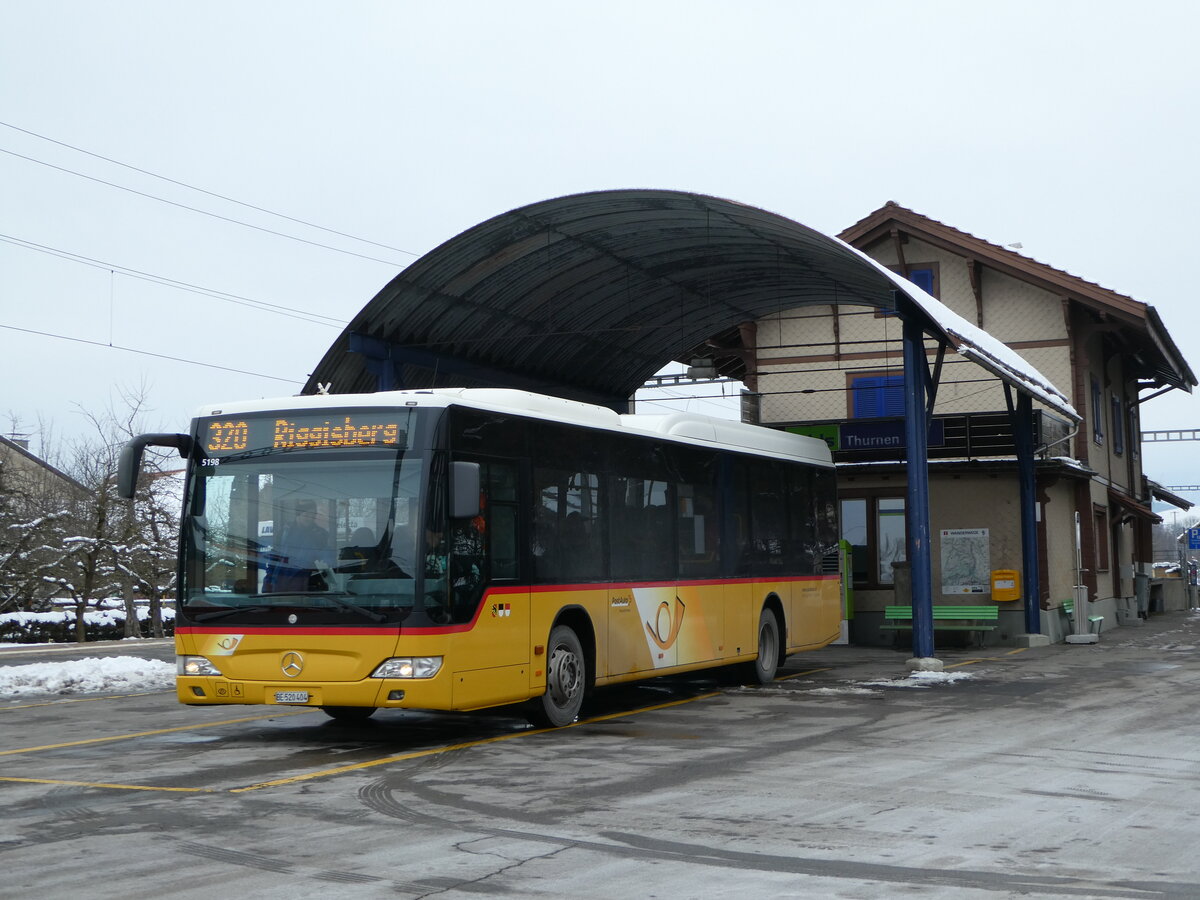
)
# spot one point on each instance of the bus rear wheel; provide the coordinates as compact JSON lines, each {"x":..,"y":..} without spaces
{"x":566,"y":679}
{"x":349,"y":713}
{"x":766,"y":664}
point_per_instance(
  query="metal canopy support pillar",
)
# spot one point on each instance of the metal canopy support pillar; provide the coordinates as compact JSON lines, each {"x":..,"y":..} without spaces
{"x":378,"y":361}
{"x":1030,"y":571}
{"x":916,"y":433}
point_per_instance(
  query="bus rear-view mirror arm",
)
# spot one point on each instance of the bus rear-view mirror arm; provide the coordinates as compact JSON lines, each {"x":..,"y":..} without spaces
{"x":130,"y":464}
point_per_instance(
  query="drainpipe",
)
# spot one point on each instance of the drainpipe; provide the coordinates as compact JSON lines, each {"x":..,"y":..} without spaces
{"x":1027,"y":479}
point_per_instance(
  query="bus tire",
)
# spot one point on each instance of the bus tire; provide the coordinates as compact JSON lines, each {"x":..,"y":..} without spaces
{"x":349,"y":713}
{"x":566,"y":680}
{"x":766,"y":664}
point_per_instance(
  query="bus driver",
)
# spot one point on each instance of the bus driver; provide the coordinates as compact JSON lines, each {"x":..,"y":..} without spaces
{"x":300,"y":548}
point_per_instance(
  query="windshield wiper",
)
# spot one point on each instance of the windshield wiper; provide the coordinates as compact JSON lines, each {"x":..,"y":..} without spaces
{"x":336,"y":598}
{"x":339,"y":601}
{"x":228,"y":611}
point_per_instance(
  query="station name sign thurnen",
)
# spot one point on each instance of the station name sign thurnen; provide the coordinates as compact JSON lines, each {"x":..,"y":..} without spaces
{"x":868,"y":436}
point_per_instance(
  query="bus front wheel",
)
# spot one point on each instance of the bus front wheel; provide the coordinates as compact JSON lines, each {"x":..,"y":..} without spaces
{"x":566,"y":678}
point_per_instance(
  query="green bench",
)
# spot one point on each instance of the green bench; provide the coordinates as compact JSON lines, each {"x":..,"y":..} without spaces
{"x":945,"y":618}
{"x":1095,"y":623}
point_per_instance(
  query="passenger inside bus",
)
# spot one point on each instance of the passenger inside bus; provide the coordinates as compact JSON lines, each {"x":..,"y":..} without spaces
{"x":362,"y":549}
{"x":302,"y":545}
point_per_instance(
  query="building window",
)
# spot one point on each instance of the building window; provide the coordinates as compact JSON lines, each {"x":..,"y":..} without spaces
{"x":1097,"y":412}
{"x":872,"y":396}
{"x":924,"y":275}
{"x":874,"y":528}
{"x":1118,"y":426}
{"x":1100,"y":517}
{"x":923,"y":278}
{"x":889,"y":518}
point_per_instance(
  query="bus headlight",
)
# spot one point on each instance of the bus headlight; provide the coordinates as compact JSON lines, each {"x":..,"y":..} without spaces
{"x":409,"y":667}
{"x":194,"y":665}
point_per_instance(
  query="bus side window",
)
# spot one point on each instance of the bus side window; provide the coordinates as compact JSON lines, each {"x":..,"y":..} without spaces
{"x":695,"y":474}
{"x":735,"y":500}
{"x":768,"y":528}
{"x":500,"y":517}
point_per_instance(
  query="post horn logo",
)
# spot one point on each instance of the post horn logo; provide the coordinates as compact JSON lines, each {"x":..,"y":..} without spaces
{"x":666,"y":625}
{"x":292,"y":664}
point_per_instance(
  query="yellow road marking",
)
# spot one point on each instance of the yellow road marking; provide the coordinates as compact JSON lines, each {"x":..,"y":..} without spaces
{"x":86,"y":647}
{"x":101,"y":784}
{"x":138,"y":734}
{"x":86,"y":699}
{"x":640,"y":709}
{"x":980,"y":659}
{"x":433,"y":751}
{"x":807,"y":672}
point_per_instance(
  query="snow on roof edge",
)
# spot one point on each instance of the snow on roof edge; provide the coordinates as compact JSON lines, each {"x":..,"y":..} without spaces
{"x":977,"y":345}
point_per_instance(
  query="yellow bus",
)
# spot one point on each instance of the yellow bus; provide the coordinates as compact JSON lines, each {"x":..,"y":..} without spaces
{"x":456,"y":549}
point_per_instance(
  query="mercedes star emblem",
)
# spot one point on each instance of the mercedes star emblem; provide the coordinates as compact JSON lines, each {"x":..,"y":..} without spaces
{"x":292,"y":664}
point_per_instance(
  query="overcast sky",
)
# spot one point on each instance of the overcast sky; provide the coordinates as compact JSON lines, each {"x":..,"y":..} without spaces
{"x":1070,"y":127}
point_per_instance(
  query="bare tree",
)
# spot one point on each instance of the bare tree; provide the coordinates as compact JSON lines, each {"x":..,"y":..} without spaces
{"x":110,"y":548}
{"x":97,"y":531}
{"x":149,"y":561}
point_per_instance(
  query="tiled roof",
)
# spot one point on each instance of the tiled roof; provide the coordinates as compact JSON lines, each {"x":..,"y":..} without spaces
{"x":876,"y":226}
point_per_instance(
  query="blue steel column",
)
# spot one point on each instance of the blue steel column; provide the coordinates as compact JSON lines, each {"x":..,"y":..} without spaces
{"x":1030,"y":573}
{"x":916,"y":507}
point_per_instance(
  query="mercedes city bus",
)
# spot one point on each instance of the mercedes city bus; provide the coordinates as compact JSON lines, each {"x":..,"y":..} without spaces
{"x":455,"y":549}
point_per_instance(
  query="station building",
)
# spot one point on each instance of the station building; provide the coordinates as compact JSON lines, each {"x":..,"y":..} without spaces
{"x":836,"y":372}
{"x":23,"y":473}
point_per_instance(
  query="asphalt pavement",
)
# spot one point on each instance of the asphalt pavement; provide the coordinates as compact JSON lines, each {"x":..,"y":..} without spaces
{"x":1058,"y":771}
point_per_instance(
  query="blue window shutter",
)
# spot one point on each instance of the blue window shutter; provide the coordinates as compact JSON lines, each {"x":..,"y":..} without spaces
{"x":892,"y":394}
{"x":866,"y":397}
{"x":922,"y":278}
{"x":878,"y":395}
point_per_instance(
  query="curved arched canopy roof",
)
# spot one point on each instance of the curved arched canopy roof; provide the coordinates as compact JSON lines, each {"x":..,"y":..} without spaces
{"x":588,"y":295}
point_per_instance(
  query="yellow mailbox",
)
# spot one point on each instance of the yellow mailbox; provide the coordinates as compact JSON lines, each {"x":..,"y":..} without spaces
{"x":1006,"y":585}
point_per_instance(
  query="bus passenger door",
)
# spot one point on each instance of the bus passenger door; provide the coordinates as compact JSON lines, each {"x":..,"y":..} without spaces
{"x":491,"y":656}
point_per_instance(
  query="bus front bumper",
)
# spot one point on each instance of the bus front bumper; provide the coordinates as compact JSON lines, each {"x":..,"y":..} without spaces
{"x":384,"y":693}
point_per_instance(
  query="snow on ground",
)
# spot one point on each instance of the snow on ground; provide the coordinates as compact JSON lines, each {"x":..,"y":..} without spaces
{"x":921,"y":679}
{"x":96,"y":675}
{"x":913,"y":680}
{"x":129,"y":674}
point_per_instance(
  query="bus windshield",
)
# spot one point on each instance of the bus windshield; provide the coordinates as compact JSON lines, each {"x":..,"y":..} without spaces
{"x":315,"y":535}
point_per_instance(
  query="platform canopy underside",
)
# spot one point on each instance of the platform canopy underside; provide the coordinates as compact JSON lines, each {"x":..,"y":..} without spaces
{"x":588,"y":295}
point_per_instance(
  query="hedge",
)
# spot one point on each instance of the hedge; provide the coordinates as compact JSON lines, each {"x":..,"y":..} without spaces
{"x":59,"y":627}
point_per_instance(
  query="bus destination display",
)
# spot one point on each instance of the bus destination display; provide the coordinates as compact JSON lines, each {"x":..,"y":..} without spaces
{"x":236,"y":435}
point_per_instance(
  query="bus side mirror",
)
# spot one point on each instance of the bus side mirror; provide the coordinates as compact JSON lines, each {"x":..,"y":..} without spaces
{"x":464,"y":490}
{"x":130,"y":464}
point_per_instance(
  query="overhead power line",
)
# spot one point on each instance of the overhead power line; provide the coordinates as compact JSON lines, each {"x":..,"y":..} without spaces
{"x":278,"y":309}
{"x":191,"y":362}
{"x":192,"y":187}
{"x":203,"y":212}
